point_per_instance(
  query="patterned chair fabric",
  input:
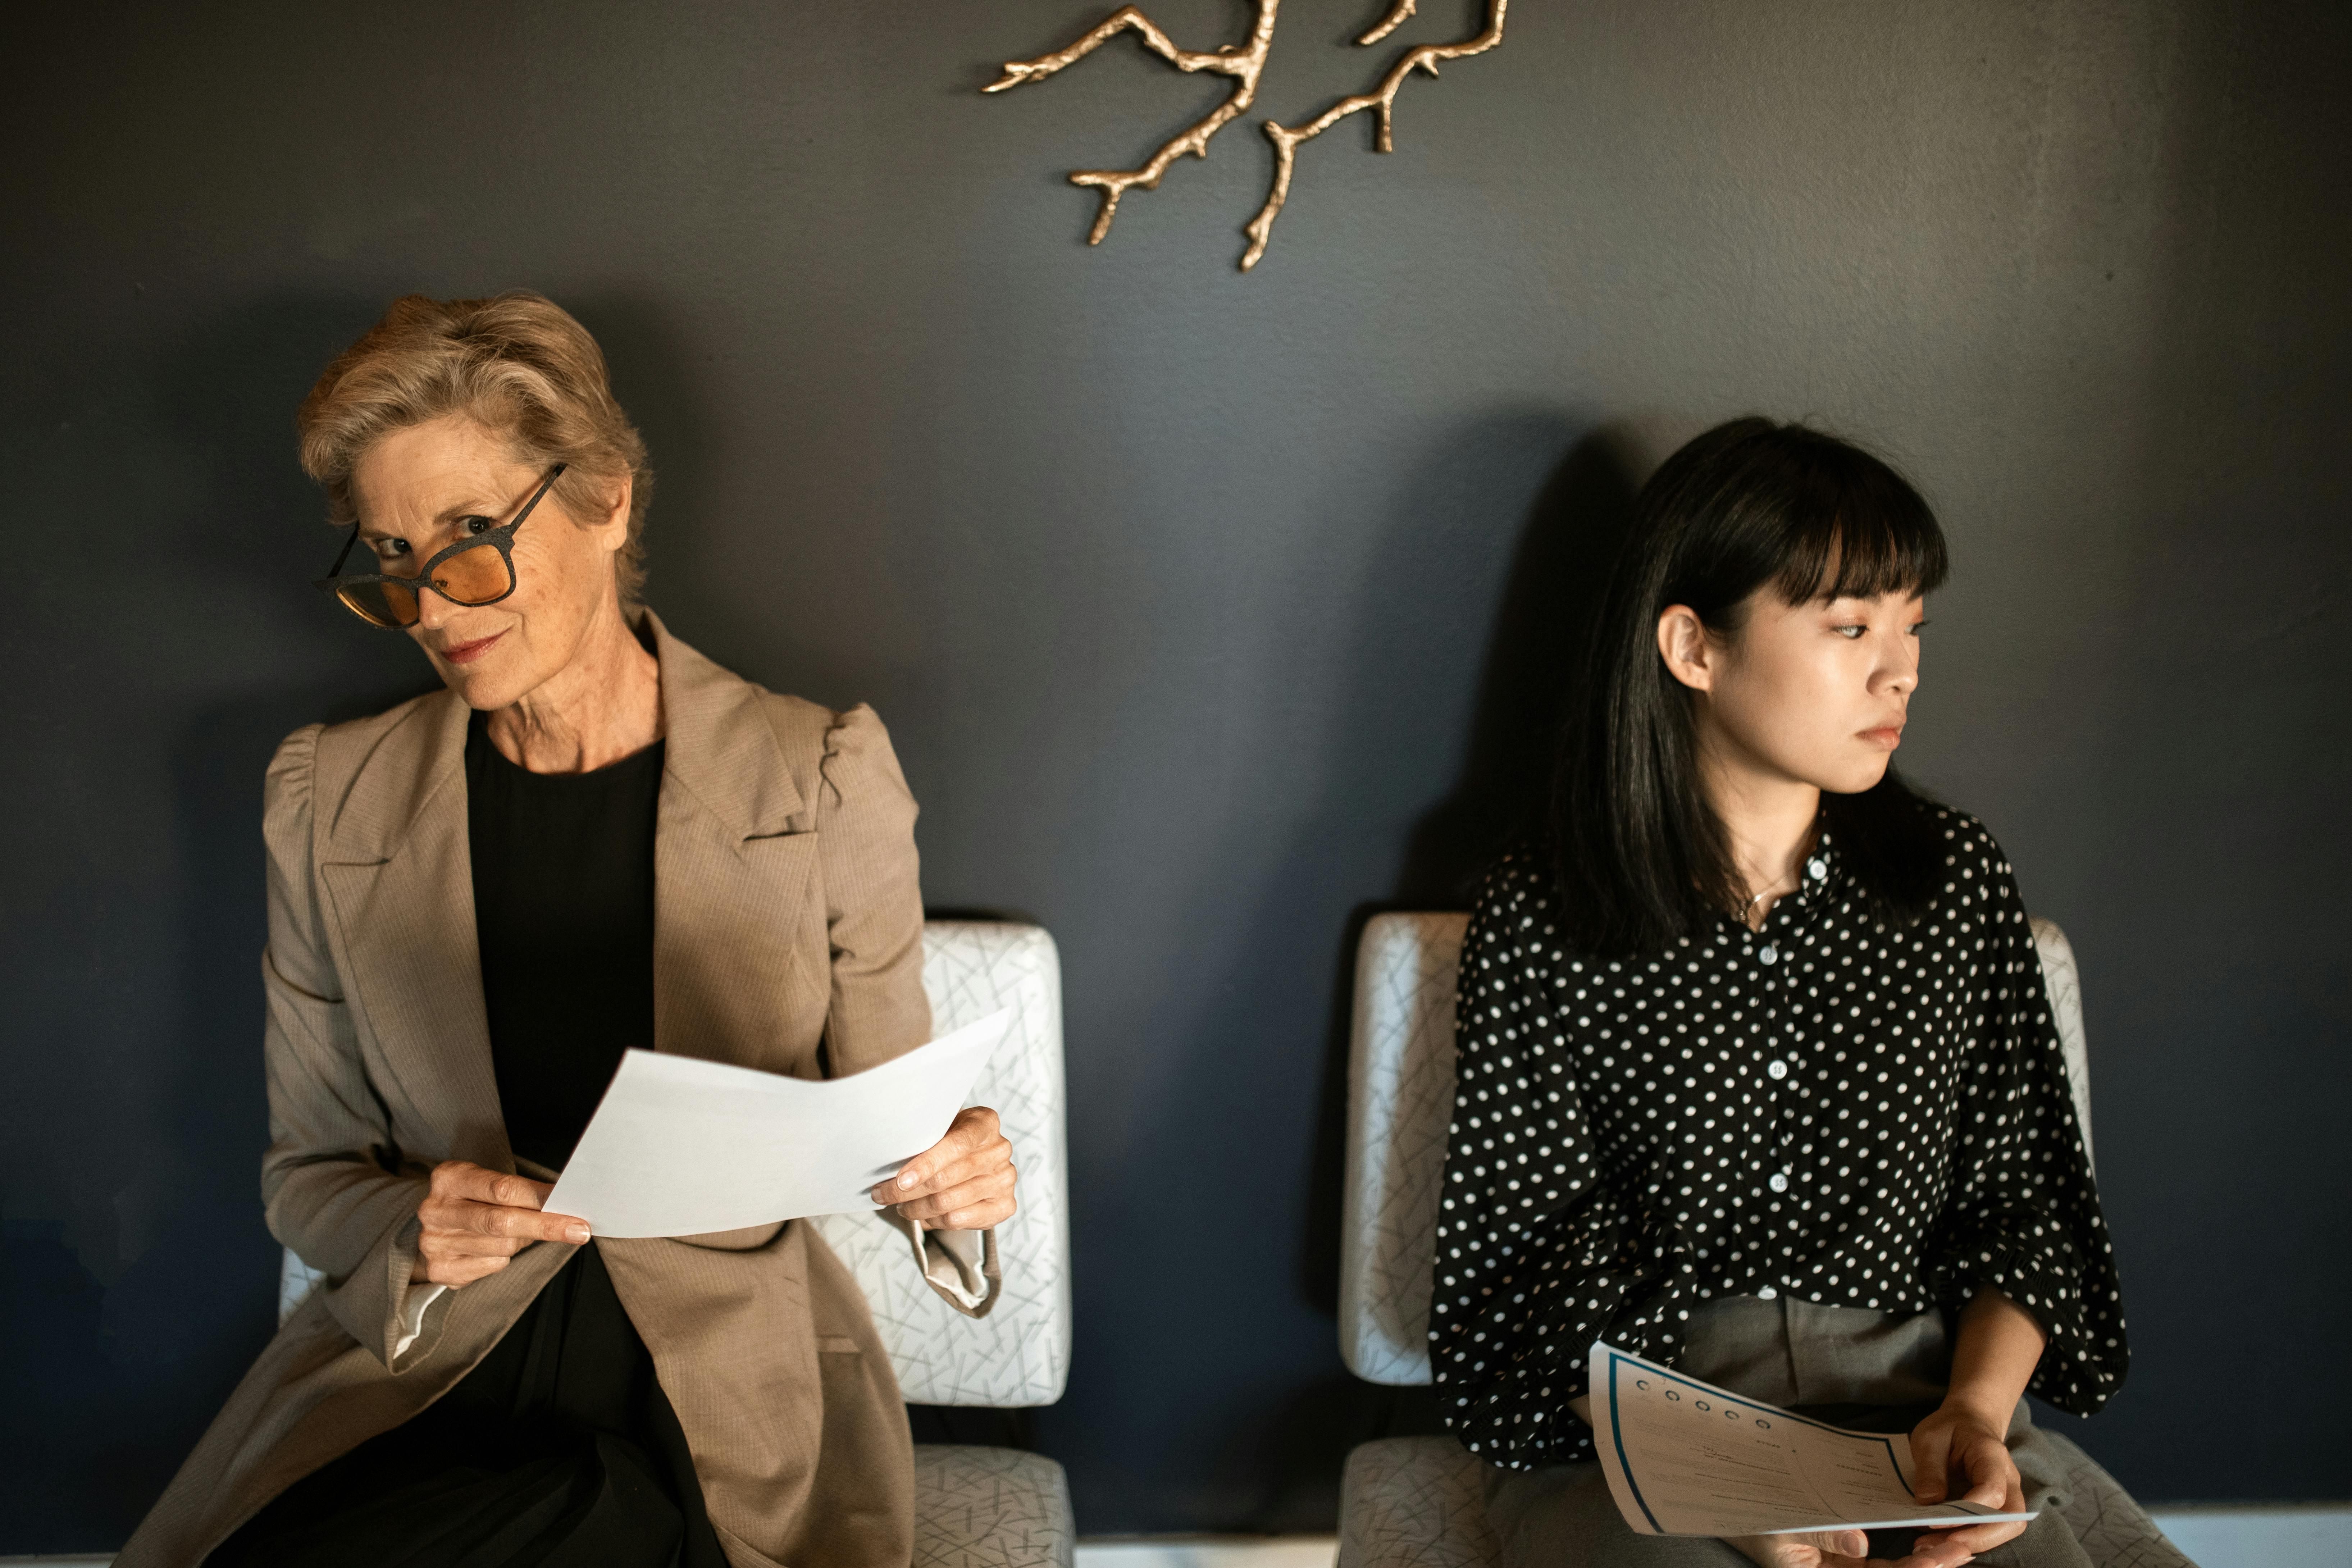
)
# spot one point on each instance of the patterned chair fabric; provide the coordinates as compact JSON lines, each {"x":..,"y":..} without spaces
{"x":991,"y":1508}
{"x":1414,"y":1502}
{"x":1400,"y":1101}
{"x":1418,"y":1503}
{"x":1020,"y":1353}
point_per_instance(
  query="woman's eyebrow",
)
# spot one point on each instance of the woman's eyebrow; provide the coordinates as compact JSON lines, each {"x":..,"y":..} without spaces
{"x":441,"y":518}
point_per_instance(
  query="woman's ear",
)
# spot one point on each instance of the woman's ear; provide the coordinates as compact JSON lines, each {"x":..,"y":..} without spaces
{"x":1683,"y":644}
{"x":614,"y":523}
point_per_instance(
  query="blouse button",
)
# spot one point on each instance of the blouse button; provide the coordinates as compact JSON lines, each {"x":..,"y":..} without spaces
{"x":1776,"y":1069}
{"x":1766,"y":1293}
{"x":1767,"y":955}
{"x":1817,"y":869}
{"x":1780,"y":1182}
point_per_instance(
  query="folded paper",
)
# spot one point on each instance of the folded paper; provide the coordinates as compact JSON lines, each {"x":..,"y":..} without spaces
{"x":1685,"y":1458}
{"x":681,"y":1147}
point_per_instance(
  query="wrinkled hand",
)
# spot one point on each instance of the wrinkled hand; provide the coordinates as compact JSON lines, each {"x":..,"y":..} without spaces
{"x":474,"y":1220}
{"x":963,"y":1182}
{"x":1963,"y":1452}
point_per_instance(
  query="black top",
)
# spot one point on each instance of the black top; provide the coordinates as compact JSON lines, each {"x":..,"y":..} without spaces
{"x":560,"y":1444}
{"x":564,"y":901}
{"x":1830,"y":1108}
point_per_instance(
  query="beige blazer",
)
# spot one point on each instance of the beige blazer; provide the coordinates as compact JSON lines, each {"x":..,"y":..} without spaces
{"x":787,"y":918}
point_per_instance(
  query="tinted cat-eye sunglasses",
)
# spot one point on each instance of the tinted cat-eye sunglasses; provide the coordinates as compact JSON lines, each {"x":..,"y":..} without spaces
{"x":472,"y":572}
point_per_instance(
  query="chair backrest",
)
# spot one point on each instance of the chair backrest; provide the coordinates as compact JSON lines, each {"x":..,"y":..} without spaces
{"x":1401,"y":1101}
{"x":1020,"y":1353}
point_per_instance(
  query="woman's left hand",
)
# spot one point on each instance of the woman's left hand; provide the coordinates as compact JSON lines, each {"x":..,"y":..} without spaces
{"x":1963,"y":1452}
{"x":963,"y":1182}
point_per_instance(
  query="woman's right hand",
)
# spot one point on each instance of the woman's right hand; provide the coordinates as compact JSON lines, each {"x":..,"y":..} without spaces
{"x":474,"y":1220}
{"x":1819,"y":1549}
{"x":1834,"y":1548}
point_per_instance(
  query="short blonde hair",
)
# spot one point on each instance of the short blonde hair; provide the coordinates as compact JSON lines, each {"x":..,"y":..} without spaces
{"x":519,"y":365}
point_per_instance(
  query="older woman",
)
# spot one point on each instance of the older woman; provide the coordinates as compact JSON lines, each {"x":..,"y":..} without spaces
{"x":595,"y":838}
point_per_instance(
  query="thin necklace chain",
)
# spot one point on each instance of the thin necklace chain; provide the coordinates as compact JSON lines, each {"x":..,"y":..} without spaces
{"x":1793,"y":880}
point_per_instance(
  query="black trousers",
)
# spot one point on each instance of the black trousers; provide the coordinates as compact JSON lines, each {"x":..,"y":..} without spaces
{"x":560,"y":1450}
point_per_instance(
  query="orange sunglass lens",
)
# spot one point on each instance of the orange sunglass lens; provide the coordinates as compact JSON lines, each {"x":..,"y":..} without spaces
{"x":382,"y":603}
{"x":475,"y":576}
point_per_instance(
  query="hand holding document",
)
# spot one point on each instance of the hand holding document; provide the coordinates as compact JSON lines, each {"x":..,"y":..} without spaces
{"x":678,"y":1147}
{"x":1685,"y":1458}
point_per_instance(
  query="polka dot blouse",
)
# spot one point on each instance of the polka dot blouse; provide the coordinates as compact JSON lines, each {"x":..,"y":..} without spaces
{"x":1833,"y":1108}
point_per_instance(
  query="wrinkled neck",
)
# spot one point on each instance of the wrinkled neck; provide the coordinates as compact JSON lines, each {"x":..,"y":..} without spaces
{"x":605,"y":704}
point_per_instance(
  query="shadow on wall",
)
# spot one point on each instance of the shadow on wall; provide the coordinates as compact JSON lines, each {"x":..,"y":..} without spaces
{"x":1536,"y":661}
{"x":1280,"y":1468}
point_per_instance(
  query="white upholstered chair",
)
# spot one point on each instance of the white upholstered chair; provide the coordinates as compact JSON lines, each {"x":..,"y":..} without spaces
{"x":1419,"y":1502}
{"x":974,"y":1507}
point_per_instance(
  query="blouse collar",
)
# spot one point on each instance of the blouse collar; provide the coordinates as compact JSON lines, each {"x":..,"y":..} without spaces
{"x":1818,"y":878}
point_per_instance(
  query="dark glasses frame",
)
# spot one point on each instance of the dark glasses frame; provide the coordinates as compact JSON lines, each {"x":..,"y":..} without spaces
{"x":500,"y":539}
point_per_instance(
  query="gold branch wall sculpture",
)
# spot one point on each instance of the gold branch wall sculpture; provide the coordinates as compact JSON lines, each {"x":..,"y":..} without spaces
{"x":1381,"y":100}
{"x":1245,"y":62}
{"x":1242,"y":62}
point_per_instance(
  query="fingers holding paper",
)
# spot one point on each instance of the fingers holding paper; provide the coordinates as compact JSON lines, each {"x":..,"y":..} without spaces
{"x":1955,"y":1449}
{"x":964,"y":1181}
{"x":1832,"y":1549}
{"x":1822,"y":1549}
{"x":474,"y":1220}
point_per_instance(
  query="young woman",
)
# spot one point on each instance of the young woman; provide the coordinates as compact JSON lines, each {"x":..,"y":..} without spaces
{"x":1757,"y":1072}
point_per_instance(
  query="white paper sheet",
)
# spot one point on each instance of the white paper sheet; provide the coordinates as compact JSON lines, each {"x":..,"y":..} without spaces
{"x":678,"y":1147}
{"x":1685,"y":1458}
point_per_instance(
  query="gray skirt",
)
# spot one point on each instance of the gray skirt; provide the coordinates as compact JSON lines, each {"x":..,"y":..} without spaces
{"x":1869,"y":1370}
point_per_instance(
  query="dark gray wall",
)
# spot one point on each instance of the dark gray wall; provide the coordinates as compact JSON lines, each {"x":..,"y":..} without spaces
{"x":1208,"y":611}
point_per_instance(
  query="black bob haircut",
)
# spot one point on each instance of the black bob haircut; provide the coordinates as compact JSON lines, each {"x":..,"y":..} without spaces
{"x":1641,"y":856}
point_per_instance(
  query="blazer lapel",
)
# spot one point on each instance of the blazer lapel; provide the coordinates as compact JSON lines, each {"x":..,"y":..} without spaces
{"x":398,"y":870}
{"x":732,"y":858}
{"x":734,"y":853}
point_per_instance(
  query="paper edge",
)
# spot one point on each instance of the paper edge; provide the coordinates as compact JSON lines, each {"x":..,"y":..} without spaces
{"x":1604,"y":1441}
{"x":1954,"y":1521}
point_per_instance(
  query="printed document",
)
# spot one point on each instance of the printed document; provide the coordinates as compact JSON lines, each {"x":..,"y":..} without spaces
{"x":1685,"y":1458}
{"x":679,"y":1146}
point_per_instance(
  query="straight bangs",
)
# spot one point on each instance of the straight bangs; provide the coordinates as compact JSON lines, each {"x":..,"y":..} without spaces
{"x":1858,"y":530}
